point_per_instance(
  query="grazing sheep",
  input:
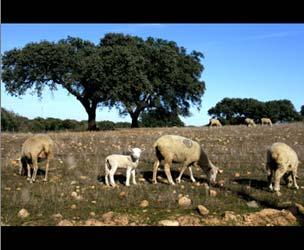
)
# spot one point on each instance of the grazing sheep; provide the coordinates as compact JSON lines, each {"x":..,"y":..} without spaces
{"x":281,"y":160}
{"x":129,"y":162}
{"x":178,"y":149}
{"x":36,"y":149}
{"x":215,"y":123}
{"x":266,"y":121}
{"x":250,"y":122}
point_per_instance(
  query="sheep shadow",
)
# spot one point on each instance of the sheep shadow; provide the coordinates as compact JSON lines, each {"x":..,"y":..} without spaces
{"x":39,"y":172}
{"x":257,"y":184}
{"x":147,"y":175}
{"x":119,"y":177}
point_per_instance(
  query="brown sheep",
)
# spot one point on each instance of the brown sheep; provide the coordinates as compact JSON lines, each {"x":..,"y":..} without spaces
{"x":35,"y":149}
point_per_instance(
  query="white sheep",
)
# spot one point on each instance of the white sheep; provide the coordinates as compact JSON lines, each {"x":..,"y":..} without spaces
{"x":35,"y":149}
{"x":250,"y":122}
{"x":281,"y":160}
{"x":128,"y":162}
{"x":178,"y":149}
{"x":215,"y":123}
{"x":266,"y":121}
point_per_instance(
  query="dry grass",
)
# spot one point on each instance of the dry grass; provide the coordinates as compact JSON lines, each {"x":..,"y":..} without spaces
{"x":79,"y":158}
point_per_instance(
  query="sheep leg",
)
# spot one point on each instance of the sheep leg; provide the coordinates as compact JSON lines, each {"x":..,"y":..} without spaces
{"x":168,"y":173}
{"x":128,"y":177}
{"x":278,"y":175}
{"x":294,"y":175}
{"x":191,"y":174}
{"x":28,"y":172}
{"x":107,"y":173}
{"x":46,"y":168}
{"x":35,"y":166}
{"x":155,"y":169}
{"x":112,"y":173}
{"x":269,"y":178}
{"x":178,"y":179}
{"x":133,"y":177}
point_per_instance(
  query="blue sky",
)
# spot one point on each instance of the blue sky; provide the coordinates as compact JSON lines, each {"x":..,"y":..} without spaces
{"x":261,"y":61}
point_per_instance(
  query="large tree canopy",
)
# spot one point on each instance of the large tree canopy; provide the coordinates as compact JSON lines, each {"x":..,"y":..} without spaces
{"x":122,"y":71}
{"x":151,"y":74}
{"x":235,"y":110}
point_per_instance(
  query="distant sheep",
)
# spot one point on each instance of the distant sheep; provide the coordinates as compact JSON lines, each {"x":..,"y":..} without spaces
{"x":266,"y":121}
{"x":250,"y":122}
{"x":128,"y":162}
{"x":35,"y":149}
{"x":215,"y":123}
{"x":178,"y":149}
{"x":281,"y":160}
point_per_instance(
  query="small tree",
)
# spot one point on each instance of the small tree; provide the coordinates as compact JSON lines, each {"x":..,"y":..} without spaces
{"x":160,"y":118}
{"x":302,"y":111}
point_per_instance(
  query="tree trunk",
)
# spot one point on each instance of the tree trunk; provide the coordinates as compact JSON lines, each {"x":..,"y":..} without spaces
{"x":92,"y":119}
{"x":134,"y":117}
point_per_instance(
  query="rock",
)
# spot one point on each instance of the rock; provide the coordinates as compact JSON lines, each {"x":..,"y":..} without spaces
{"x":212,"y":193}
{"x":7,"y":189}
{"x":57,"y":216}
{"x":270,"y":216}
{"x":221,"y":183}
{"x":65,"y":223}
{"x":184,"y":202}
{"x":23,"y":213}
{"x":252,"y":204}
{"x":73,"y":182}
{"x":73,"y":206}
{"x":144,"y":204}
{"x":74,"y":194}
{"x":169,"y":223}
{"x":300,"y":208}
{"x":229,"y":216}
{"x":237,"y":175}
{"x":213,"y":221}
{"x":107,"y":217}
{"x":82,"y":177}
{"x":142,"y":179}
{"x":182,"y":187}
{"x":18,"y":189}
{"x":202,"y":210}
{"x":92,"y":214}
{"x":122,"y":194}
{"x":93,"y":202}
{"x":121,"y":220}
{"x":180,"y":195}
{"x":93,"y":222}
{"x":188,"y":220}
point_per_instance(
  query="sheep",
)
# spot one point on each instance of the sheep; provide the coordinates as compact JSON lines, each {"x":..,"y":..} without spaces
{"x":129,"y":162}
{"x":215,"y":122}
{"x":266,"y":121}
{"x":178,"y":149}
{"x":250,"y":122}
{"x":281,"y":160}
{"x":36,"y":149}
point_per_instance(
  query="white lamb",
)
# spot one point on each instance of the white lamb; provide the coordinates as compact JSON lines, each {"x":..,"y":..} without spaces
{"x":128,"y":162}
{"x":266,"y":121}
{"x":281,"y":160}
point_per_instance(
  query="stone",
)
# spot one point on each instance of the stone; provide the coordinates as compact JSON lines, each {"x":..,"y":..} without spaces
{"x":23,"y":213}
{"x":169,"y":223}
{"x":252,"y":204}
{"x":188,"y":220}
{"x":65,"y":223}
{"x":202,"y":210}
{"x":144,"y":204}
{"x":212,"y":193}
{"x":184,"y":202}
